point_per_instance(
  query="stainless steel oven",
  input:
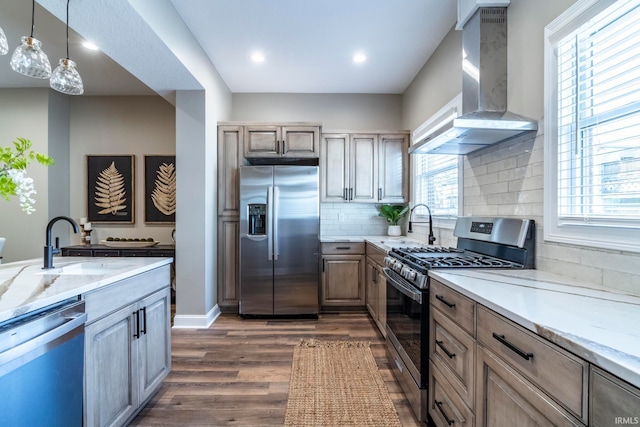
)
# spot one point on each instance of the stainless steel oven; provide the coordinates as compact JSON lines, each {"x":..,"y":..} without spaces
{"x":407,"y":338}
{"x":482,"y":243}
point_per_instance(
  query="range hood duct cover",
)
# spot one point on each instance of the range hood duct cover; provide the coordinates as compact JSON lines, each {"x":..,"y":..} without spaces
{"x":483,"y":119}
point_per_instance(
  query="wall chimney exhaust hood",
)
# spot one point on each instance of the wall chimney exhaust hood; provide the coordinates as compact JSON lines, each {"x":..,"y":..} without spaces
{"x":478,"y":117}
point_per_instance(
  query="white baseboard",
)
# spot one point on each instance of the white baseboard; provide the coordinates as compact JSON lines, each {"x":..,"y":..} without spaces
{"x":189,"y":321}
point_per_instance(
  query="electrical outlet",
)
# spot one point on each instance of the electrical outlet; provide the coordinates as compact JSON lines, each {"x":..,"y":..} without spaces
{"x":341,"y":217}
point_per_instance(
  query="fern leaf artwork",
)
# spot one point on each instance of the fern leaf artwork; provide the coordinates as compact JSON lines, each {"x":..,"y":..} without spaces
{"x":110,"y":192}
{"x":164,"y":193}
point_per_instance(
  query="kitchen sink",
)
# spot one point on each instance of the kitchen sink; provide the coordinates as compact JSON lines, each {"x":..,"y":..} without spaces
{"x":87,"y":268}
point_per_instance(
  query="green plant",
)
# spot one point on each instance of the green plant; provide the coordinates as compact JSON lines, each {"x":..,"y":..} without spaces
{"x":13,"y":179}
{"x":393,"y":213}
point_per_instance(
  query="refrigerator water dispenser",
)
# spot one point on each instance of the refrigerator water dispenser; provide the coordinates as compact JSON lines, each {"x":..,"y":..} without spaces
{"x":257,"y":219}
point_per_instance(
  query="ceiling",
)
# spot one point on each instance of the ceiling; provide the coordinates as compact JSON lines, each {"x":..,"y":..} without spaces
{"x":308,"y":45}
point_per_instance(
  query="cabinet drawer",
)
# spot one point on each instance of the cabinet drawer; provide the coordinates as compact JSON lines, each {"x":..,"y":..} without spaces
{"x":456,"y":306}
{"x":612,"y":401}
{"x":454,"y":350}
{"x":341,"y":248}
{"x":106,"y":252}
{"x":445,"y":405}
{"x":376,"y":254}
{"x":112,"y":297}
{"x":136,"y":252}
{"x":77,"y":252}
{"x":560,"y":374}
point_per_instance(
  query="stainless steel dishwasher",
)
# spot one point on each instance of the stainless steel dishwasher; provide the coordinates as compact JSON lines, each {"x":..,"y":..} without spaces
{"x":41,"y":367}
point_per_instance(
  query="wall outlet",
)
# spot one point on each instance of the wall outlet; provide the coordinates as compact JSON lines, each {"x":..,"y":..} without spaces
{"x":341,"y":217}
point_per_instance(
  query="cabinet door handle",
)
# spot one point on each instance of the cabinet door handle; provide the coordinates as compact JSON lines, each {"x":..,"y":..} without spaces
{"x":283,"y":148}
{"x":512,"y":347}
{"x":351,"y":193}
{"x":136,"y":319}
{"x":323,"y":260}
{"x":346,"y":193}
{"x":343,"y":248}
{"x":373,"y":275}
{"x":143,"y":330}
{"x":447,"y":352}
{"x":444,"y":301}
{"x":446,"y":418}
{"x":380,"y":193}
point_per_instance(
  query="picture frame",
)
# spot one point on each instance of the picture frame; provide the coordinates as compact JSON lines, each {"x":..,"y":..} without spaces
{"x":110,"y":189}
{"x":159,"y":189}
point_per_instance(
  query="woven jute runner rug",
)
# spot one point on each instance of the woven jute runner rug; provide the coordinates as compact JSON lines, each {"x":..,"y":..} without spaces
{"x":337,"y":383}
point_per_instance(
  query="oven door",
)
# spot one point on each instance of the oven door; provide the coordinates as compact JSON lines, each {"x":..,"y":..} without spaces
{"x":408,"y":324}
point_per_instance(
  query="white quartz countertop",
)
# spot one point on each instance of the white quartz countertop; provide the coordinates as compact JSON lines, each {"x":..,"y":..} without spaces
{"x":25,"y":286}
{"x":597,"y":324}
{"x":386,"y":243}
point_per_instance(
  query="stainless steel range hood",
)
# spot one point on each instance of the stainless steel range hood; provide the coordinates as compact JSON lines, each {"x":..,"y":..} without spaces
{"x":483,"y":119}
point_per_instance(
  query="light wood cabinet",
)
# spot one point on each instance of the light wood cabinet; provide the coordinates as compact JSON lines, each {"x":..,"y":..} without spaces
{"x":505,"y":398}
{"x":558,"y":373}
{"x":273,"y":141}
{"x":445,"y":406}
{"x":230,"y":146}
{"x":612,"y":401}
{"x":127,"y":346}
{"x":228,"y":264}
{"x":364,"y":168}
{"x":342,"y":275}
{"x":376,"y":287}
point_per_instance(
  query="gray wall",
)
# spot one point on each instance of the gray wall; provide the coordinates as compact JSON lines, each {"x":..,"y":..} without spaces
{"x":334,"y":111}
{"x":25,"y":113}
{"x":507,"y":179}
{"x":119,"y":125}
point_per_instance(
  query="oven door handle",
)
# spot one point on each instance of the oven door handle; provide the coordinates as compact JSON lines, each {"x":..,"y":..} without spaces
{"x":405,"y":289}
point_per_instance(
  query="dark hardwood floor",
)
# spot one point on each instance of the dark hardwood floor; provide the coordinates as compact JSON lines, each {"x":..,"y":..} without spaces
{"x":237,"y":371}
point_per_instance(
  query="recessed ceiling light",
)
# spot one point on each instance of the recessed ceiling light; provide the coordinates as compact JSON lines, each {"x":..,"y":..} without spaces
{"x":257,"y":57}
{"x":89,"y":45}
{"x":359,"y":57}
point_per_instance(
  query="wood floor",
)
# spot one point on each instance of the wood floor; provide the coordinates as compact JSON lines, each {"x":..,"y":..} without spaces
{"x":237,"y":371}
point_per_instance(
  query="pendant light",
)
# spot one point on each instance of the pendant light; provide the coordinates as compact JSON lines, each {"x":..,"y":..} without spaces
{"x":4,"y":46}
{"x":28,"y":58}
{"x":65,"y":77}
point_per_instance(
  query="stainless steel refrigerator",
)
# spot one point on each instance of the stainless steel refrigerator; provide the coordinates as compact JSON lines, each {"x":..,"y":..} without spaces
{"x":279,"y":246}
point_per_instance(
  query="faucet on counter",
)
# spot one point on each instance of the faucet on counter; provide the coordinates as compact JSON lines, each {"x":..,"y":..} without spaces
{"x":50,"y":251}
{"x":432,"y":238}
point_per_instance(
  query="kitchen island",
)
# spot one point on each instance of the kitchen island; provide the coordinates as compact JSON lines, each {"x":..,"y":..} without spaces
{"x":127,"y":342}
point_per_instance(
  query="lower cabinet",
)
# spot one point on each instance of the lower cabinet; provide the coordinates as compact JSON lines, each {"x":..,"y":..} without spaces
{"x":376,"y":293}
{"x":229,"y":264}
{"x":342,"y":275}
{"x":612,"y":401}
{"x":127,"y":347}
{"x":505,"y":398}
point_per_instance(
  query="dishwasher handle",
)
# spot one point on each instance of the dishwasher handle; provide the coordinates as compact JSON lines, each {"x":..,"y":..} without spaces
{"x":71,"y":322}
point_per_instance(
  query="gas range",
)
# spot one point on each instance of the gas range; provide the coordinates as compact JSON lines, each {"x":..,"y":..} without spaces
{"x":482,"y":243}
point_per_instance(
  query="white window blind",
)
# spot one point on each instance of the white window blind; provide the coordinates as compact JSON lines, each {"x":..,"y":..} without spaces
{"x":598,"y":120}
{"x":436,"y":183}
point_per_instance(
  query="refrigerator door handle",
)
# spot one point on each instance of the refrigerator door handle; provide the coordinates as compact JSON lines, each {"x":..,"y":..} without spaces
{"x":269,"y":223}
{"x":276,"y":239}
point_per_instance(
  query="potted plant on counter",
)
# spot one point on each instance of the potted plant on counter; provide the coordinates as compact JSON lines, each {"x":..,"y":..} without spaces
{"x":393,"y":214}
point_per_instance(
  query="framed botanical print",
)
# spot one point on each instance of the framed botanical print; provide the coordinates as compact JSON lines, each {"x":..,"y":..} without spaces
{"x":160,"y":189}
{"x":110,"y":189}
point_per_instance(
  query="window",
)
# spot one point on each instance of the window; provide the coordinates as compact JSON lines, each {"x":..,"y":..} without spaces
{"x":435,"y":183}
{"x":592,"y":125}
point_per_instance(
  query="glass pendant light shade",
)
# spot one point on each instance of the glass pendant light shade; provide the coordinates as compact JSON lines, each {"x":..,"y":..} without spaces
{"x":30,"y":60}
{"x":4,"y":45}
{"x":66,"y":79}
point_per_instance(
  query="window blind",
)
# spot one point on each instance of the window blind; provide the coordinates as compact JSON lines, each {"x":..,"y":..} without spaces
{"x":436,"y":183}
{"x":599,"y":119}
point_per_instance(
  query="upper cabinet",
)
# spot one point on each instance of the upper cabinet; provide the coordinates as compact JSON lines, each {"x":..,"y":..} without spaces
{"x":272,"y":141}
{"x":364,"y":168}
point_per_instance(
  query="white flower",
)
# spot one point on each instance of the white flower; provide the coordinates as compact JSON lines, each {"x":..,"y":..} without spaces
{"x":25,"y":188}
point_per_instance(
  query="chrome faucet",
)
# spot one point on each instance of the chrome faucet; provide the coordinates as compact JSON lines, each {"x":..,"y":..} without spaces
{"x":432,"y":238}
{"x":50,"y":251}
